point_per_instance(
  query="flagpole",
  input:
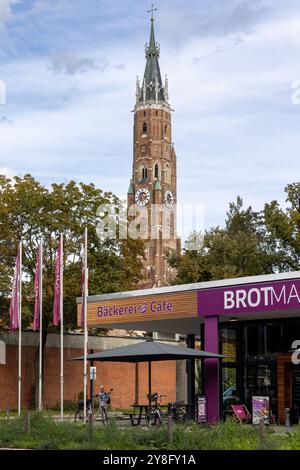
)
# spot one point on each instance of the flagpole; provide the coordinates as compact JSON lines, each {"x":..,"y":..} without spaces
{"x":41,"y":326}
{"x":61,"y":331}
{"x":20,"y":335}
{"x":85,"y":324}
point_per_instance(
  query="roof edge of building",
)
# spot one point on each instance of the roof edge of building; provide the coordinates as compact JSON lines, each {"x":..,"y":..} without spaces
{"x":194,"y":286}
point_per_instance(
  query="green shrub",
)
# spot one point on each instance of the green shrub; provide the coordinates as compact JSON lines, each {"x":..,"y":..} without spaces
{"x":49,"y":444}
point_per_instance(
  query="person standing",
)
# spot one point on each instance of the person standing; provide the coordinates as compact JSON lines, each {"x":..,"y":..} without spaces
{"x":104,"y":401}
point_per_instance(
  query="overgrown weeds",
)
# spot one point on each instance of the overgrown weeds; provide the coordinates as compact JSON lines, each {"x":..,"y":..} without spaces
{"x":46,"y":433}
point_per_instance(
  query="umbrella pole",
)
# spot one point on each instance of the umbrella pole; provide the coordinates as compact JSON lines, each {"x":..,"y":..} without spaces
{"x":149,"y":385}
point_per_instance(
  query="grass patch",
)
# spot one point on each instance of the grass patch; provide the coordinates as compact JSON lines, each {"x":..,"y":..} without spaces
{"x":46,"y":434}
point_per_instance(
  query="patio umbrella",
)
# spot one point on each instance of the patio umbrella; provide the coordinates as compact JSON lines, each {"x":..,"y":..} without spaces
{"x":149,"y":351}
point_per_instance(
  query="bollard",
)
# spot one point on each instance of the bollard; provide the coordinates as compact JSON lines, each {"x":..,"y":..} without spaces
{"x":170,"y":428}
{"x":261,"y":434}
{"x":287,"y":417}
{"x":90,"y":424}
{"x":27,"y":422}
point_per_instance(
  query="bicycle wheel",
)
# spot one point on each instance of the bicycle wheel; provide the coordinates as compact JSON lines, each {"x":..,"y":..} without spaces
{"x":78,"y":415}
{"x":153,"y":418}
{"x":180,"y":417}
{"x":97,"y":412}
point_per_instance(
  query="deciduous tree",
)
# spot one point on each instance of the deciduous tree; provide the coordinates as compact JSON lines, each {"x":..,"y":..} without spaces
{"x":29,"y":211}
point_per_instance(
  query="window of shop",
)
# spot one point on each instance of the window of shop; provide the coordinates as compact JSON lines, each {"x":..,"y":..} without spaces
{"x":253,"y":341}
{"x":291,"y":333}
{"x":273,"y":337}
{"x":262,"y":340}
{"x":251,"y":365}
{"x":229,"y":345}
{"x":229,"y":387}
{"x":230,"y":371}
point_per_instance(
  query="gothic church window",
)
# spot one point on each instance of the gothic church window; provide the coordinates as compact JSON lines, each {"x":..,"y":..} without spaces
{"x":168,"y":174}
{"x":143,"y":173}
{"x":156,"y":171}
{"x":144,"y":128}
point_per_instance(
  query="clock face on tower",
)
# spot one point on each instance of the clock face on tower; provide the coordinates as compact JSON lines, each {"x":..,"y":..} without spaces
{"x":142,"y":197}
{"x":169,"y":199}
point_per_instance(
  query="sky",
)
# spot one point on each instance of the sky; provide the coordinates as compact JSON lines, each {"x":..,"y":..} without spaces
{"x":70,"y":67}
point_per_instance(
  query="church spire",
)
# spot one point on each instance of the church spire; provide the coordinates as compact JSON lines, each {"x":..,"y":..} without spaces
{"x":152,"y":88}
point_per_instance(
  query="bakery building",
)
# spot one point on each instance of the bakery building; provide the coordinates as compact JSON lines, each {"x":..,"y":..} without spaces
{"x":253,"y":321}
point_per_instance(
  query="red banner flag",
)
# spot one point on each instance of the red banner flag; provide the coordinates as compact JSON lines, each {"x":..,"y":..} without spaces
{"x":82,"y":290}
{"x":14,"y":303}
{"x":84,"y":282}
{"x":57,"y":286}
{"x":37,"y":292}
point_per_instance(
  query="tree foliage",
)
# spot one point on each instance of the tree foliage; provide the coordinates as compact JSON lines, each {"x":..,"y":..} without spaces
{"x":251,"y":243}
{"x":283,"y":229}
{"x":28,"y":211}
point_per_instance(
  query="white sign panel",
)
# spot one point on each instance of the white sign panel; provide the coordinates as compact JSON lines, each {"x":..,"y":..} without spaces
{"x":2,"y":352}
{"x":93,"y":373}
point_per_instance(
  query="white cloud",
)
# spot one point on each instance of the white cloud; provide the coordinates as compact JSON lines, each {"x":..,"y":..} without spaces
{"x":235,"y":128}
{"x":6,"y":11}
{"x":5,"y":121}
{"x":9,"y":172}
{"x":71,"y":64}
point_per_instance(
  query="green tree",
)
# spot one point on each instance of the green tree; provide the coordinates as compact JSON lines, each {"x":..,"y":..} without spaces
{"x":28,"y":211}
{"x":283,"y":230}
{"x":238,"y":249}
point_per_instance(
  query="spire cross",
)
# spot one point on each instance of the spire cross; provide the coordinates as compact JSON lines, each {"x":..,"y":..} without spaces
{"x":152,"y":10}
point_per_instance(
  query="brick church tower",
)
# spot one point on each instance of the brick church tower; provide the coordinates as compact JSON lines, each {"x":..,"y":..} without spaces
{"x":153,"y":184}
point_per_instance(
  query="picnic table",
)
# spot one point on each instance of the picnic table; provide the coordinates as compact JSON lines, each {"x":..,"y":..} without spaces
{"x":139,"y":411}
{"x":189,"y":408}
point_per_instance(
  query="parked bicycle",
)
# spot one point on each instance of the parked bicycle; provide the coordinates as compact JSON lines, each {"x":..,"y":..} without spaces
{"x":156,"y":416}
{"x":178,"y":413}
{"x":94,"y":408}
{"x":79,"y":413}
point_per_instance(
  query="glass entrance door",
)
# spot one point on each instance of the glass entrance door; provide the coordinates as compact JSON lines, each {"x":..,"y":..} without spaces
{"x":295,"y":408}
{"x":260,"y":380}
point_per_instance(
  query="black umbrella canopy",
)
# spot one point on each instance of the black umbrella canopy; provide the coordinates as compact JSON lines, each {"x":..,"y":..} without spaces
{"x":149,"y":351}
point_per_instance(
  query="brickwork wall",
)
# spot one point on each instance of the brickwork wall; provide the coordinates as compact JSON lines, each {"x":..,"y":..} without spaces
{"x":119,"y":376}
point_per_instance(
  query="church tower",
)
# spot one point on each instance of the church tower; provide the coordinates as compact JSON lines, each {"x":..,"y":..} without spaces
{"x":153,"y":185}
